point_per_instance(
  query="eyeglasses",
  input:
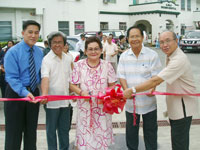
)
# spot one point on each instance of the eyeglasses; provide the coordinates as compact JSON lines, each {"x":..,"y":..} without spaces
{"x":57,"y":43}
{"x":93,"y":49}
{"x":135,"y":37}
{"x":168,"y":41}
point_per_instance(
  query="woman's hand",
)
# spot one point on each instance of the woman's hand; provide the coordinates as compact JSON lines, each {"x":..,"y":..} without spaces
{"x":85,"y":93}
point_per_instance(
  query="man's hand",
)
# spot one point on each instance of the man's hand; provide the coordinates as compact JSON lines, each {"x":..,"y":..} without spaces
{"x":114,"y":54}
{"x":44,"y":101}
{"x":152,"y":90}
{"x":30,"y":95}
{"x":128,"y":93}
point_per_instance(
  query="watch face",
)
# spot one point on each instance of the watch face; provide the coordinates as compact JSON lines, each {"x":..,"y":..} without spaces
{"x":133,"y":89}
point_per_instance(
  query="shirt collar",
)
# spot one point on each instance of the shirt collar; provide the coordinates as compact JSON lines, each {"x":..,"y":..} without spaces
{"x":27,"y":47}
{"x":53,"y":55}
{"x":173,"y":54}
{"x":130,"y":52}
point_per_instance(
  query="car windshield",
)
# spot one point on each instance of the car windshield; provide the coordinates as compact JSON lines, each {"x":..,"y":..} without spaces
{"x":72,"y":44}
{"x":90,"y":34}
{"x":106,"y":33}
{"x":193,"y":35}
{"x":118,"y":33}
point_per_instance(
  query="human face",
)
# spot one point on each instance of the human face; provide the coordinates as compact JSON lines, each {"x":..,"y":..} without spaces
{"x":10,"y":44}
{"x":135,"y":39}
{"x":167,"y":43}
{"x":31,"y":35}
{"x":57,"y":45}
{"x":66,"y":48}
{"x":93,"y":51}
{"x":109,"y":39}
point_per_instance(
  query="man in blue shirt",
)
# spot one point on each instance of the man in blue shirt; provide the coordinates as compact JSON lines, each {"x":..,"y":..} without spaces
{"x":21,"y":117}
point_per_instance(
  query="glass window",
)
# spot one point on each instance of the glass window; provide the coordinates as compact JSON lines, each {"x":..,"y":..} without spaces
{"x":122,"y":26}
{"x":5,"y":30}
{"x":103,"y":26}
{"x":189,"y":5}
{"x":112,"y":1}
{"x":182,"y":4}
{"x":79,"y":27}
{"x":63,"y":26}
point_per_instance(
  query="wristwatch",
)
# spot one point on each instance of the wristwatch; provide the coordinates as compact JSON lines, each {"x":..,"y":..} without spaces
{"x":133,"y":90}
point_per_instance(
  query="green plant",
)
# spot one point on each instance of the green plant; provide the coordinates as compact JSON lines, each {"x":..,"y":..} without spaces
{"x":40,"y":40}
{"x":2,"y":44}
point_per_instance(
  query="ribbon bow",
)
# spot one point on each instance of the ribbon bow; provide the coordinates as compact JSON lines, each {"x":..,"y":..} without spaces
{"x":112,"y":100}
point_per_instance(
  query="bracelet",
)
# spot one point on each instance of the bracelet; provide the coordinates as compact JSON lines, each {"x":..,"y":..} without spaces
{"x":81,"y":92}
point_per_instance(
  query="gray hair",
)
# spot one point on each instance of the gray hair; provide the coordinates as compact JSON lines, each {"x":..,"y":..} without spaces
{"x":55,"y":34}
{"x":173,"y":33}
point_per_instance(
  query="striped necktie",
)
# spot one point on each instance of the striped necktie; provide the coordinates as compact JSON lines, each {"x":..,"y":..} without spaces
{"x":32,"y":70}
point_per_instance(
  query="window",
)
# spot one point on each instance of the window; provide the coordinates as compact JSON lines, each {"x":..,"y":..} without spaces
{"x":79,"y":27}
{"x":63,"y":26}
{"x":189,"y":5}
{"x":5,"y":30}
{"x":182,"y":4}
{"x":111,"y":1}
{"x":122,"y":26}
{"x":103,"y":26}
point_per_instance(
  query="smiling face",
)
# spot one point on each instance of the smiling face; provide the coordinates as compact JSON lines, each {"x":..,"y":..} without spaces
{"x":93,"y":51}
{"x":168,"y":43}
{"x":31,"y":34}
{"x":57,"y":45}
{"x":135,"y":38}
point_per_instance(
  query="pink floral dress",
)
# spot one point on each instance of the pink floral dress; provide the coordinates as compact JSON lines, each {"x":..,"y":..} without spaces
{"x":94,"y":127}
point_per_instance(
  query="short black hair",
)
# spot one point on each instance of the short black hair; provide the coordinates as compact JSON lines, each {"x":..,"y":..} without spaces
{"x":134,"y":27}
{"x":55,"y":34}
{"x":92,"y":39}
{"x":121,"y":37}
{"x":46,"y":42}
{"x":99,"y":32}
{"x":11,"y":42}
{"x":82,"y":35}
{"x":30,"y":22}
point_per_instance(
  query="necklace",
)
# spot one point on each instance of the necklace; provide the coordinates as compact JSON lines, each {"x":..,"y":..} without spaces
{"x":93,"y":66}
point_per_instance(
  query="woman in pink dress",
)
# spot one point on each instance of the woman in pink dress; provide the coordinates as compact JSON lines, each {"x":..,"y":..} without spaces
{"x":91,"y":76}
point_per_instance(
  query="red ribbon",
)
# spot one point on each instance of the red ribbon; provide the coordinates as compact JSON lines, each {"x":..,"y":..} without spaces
{"x":112,"y":101}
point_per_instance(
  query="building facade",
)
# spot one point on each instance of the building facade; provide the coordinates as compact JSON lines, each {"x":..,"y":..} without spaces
{"x":76,"y":16}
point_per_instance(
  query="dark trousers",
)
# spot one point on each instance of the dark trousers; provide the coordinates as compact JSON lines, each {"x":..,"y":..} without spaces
{"x":150,"y":129}
{"x":3,"y":84}
{"x":21,"y":119}
{"x":58,"y":119}
{"x":180,"y":131}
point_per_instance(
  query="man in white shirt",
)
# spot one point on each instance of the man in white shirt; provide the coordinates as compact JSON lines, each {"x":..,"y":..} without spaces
{"x":137,"y":65}
{"x":55,"y":73}
{"x":80,"y":46}
{"x":110,"y":51}
{"x":179,"y":78}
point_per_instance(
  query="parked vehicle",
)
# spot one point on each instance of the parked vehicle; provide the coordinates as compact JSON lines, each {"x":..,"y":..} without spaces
{"x":74,"y":38}
{"x":191,"y":41}
{"x":89,"y":33}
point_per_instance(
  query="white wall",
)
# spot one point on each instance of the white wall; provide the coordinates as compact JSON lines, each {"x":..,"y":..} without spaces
{"x":49,"y":12}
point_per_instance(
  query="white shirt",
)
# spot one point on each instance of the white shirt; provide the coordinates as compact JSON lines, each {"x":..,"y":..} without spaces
{"x":58,"y":71}
{"x":80,"y":46}
{"x":110,"y":49}
{"x":136,"y":70}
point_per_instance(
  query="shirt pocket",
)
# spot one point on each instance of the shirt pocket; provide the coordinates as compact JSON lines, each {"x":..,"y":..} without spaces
{"x":145,"y":71}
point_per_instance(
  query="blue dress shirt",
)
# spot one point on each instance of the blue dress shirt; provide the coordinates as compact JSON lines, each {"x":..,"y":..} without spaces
{"x":16,"y":64}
